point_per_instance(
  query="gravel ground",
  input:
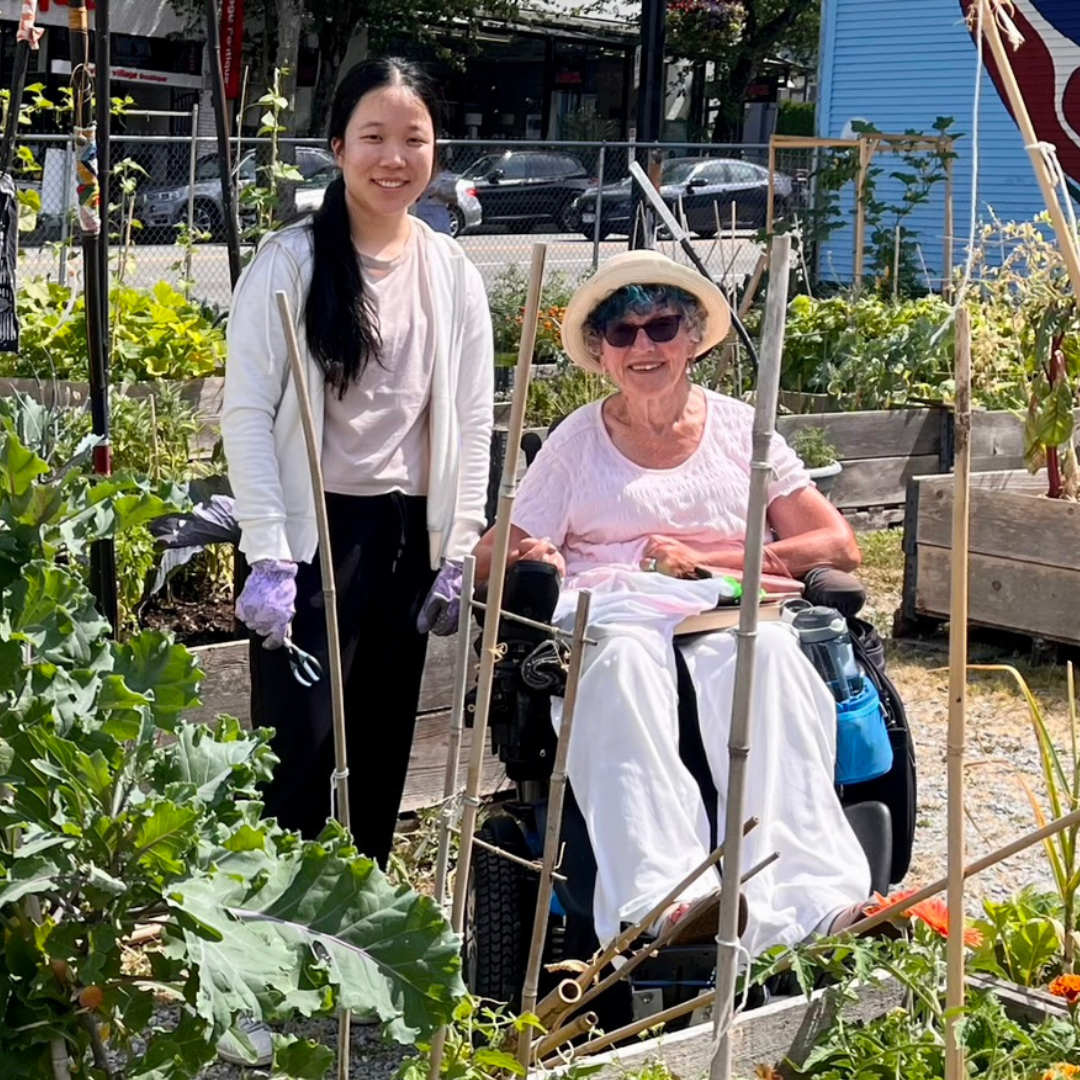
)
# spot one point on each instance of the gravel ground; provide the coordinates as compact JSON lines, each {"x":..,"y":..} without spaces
{"x":1001,"y":748}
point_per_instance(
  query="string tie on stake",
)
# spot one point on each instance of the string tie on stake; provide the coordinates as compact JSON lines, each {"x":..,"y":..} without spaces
{"x":335,"y":776}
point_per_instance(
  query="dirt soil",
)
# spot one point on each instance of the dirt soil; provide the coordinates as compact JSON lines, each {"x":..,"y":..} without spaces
{"x":195,"y":621}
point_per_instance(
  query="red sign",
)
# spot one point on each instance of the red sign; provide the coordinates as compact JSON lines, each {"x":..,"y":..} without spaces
{"x":43,"y":5}
{"x":232,"y":45}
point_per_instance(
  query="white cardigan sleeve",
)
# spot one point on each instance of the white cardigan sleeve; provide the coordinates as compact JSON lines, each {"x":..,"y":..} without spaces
{"x":256,"y":375}
{"x":474,"y":397}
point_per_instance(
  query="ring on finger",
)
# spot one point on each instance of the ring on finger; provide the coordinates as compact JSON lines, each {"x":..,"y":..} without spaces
{"x":652,"y":564}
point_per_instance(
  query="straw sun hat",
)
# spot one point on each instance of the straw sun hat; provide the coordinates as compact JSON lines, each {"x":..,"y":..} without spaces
{"x":640,"y":268}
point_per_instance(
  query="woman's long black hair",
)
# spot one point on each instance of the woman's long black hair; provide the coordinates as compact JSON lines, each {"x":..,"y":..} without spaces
{"x":339,"y":320}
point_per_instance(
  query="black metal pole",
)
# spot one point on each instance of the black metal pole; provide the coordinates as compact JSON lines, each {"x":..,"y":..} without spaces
{"x":221,"y":122}
{"x":650,"y":104}
{"x":103,"y":115}
{"x":102,"y":552}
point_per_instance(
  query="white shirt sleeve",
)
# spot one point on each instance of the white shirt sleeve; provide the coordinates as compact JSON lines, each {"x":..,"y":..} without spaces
{"x":473,"y":401}
{"x":256,"y":375}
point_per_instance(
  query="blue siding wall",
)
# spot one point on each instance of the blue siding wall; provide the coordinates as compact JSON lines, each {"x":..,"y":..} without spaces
{"x":901,"y":64}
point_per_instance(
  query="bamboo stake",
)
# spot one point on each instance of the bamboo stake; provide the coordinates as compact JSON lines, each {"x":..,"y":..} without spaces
{"x":1018,"y":107}
{"x":496,"y":582}
{"x":632,"y":933}
{"x":958,"y":612}
{"x":579,"y":1026}
{"x":861,"y":927}
{"x":761,"y":471}
{"x":457,"y":718}
{"x":754,"y":283}
{"x":860,"y":211}
{"x":340,"y":778}
{"x":651,"y":949}
{"x":556,"y":798}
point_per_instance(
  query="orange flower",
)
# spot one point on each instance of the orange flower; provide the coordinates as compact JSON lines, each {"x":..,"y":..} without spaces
{"x":1060,"y":1070}
{"x":934,"y":912}
{"x":1067,"y":987}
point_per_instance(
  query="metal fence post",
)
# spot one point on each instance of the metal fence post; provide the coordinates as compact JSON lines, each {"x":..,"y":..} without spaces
{"x":599,"y":209}
{"x":193,"y":158}
{"x":65,"y":211}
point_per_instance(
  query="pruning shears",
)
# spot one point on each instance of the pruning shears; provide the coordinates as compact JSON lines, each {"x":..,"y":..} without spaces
{"x":305,"y":668}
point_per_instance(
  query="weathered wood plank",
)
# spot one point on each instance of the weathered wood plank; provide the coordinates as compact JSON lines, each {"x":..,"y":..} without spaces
{"x":204,"y":395}
{"x":1010,"y":522}
{"x":878,"y":434}
{"x":785,"y":1029}
{"x":1024,"y":597}
{"x":226,"y":689}
{"x":427,"y":764}
{"x":878,"y":481}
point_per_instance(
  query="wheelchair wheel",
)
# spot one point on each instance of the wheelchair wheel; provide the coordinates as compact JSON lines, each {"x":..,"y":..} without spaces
{"x":500,"y":905}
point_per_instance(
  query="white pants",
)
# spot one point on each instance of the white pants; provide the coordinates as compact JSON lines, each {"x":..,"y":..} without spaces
{"x":644,"y":811}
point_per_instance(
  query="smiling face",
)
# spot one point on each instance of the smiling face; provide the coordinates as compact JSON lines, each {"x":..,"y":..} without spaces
{"x":387,"y":154}
{"x":647,"y":368}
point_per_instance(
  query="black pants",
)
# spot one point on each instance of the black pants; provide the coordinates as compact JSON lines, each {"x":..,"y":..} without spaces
{"x":382,"y":572}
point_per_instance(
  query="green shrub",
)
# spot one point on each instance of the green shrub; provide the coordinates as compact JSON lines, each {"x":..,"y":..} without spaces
{"x":156,"y":334}
{"x":795,"y":118}
{"x":814,"y":448}
{"x":869,"y":353}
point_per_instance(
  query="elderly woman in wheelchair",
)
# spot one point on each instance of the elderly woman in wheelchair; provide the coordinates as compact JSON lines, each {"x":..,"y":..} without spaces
{"x":631,"y":497}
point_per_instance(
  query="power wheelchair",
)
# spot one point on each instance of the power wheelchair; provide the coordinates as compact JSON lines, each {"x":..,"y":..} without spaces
{"x":502,"y":894}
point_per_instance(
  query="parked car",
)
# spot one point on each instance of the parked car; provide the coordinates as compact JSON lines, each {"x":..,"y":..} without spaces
{"x":163,"y":207}
{"x":523,"y":188}
{"x":458,"y":194}
{"x":707,"y":188}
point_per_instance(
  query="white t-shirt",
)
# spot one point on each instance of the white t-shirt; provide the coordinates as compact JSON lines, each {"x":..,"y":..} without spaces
{"x":599,"y":508}
{"x":375,"y":439}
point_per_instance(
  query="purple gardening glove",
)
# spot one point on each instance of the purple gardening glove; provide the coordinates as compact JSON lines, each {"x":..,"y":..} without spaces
{"x":268,"y":600}
{"x":441,"y":609}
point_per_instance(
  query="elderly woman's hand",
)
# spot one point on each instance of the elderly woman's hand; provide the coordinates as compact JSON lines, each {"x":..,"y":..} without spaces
{"x":535,"y":549}
{"x":672,"y":557}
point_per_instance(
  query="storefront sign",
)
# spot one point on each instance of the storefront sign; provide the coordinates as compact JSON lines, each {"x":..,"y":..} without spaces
{"x":232,"y":44}
{"x":138,"y":75}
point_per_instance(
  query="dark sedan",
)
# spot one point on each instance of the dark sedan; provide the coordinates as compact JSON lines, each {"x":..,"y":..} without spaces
{"x":523,"y":188}
{"x":706,"y":188}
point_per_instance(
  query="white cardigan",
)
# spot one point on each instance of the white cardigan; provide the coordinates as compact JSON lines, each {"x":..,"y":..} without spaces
{"x":260,"y":419}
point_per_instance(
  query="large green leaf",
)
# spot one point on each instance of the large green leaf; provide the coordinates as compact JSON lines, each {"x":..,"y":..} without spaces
{"x":210,"y":760}
{"x":165,"y":836}
{"x":19,"y":466}
{"x":388,"y":950}
{"x":54,"y":612}
{"x":1054,"y":420}
{"x":166,"y":673}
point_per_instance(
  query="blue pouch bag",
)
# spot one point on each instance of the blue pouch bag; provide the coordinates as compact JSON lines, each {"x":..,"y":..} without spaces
{"x":863,"y":748}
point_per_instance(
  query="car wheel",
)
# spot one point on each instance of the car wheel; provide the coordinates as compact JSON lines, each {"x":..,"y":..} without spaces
{"x":207,"y":218}
{"x":567,"y":218}
{"x":457,"y":221}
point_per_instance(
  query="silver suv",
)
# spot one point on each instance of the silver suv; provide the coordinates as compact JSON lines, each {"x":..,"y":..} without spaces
{"x":161,"y":209}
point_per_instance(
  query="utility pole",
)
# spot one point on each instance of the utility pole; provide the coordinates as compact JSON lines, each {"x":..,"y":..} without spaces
{"x":650,"y":107}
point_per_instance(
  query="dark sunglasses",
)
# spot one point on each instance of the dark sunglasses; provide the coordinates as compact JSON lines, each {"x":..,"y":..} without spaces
{"x":622,"y":335}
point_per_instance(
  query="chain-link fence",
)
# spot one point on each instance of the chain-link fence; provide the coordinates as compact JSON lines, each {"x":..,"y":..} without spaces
{"x":496,"y":198}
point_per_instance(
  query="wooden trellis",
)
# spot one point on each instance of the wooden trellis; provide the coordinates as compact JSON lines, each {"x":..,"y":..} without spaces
{"x":867,"y":146}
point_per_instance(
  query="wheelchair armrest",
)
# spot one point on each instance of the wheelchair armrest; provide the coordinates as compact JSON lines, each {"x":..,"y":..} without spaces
{"x":829,"y":587}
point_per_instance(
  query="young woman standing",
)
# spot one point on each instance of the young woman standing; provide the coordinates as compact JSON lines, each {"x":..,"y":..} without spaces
{"x":395,"y":333}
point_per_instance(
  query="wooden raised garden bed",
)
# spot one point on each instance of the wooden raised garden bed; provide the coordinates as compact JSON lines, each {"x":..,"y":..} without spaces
{"x":1024,"y":554}
{"x":227,"y":689}
{"x":782,"y":1031}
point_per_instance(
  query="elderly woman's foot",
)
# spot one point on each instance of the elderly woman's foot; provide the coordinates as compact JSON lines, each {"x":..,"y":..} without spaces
{"x":695,"y":922}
